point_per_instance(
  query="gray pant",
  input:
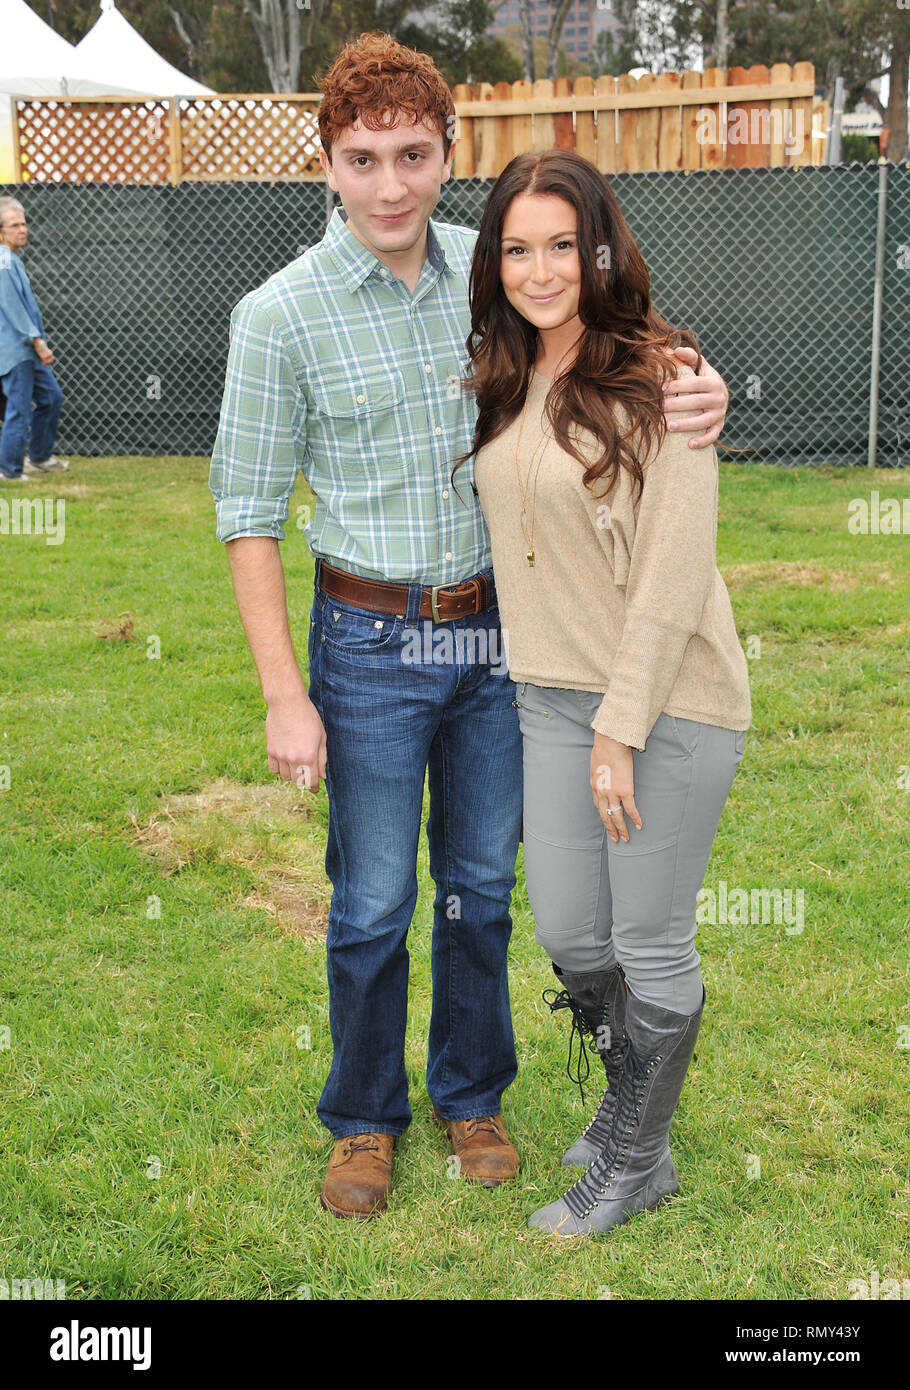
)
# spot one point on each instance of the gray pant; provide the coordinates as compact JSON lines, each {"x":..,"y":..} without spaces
{"x":597,"y":903}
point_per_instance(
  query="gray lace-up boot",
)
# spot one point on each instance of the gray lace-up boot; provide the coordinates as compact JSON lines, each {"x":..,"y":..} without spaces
{"x":635,"y":1172}
{"x":600,"y":998}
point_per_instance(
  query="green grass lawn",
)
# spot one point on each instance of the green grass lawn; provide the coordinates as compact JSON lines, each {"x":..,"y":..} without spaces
{"x":163,"y":1002}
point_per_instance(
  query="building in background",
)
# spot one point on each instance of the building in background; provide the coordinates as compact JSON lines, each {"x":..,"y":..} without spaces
{"x":585,"y":20}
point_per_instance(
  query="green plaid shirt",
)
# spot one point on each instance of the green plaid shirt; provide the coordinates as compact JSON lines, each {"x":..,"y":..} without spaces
{"x":335,"y":369}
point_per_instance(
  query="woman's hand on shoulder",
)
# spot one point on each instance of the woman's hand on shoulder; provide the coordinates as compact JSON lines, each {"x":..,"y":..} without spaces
{"x":613,"y":785}
{"x":703,"y":399}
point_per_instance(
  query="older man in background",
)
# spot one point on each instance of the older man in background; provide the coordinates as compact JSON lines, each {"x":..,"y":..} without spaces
{"x":33,"y":396}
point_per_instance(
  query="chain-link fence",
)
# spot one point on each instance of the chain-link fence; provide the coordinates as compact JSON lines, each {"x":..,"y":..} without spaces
{"x":774,"y":269}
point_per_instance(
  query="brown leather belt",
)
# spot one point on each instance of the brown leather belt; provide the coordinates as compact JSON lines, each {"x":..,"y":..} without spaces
{"x":442,"y":602}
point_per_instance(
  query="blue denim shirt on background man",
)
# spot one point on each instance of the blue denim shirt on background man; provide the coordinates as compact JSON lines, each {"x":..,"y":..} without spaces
{"x":33,"y":396}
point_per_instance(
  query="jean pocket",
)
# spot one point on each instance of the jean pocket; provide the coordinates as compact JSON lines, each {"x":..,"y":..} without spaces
{"x":739,"y":743}
{"x":521,"y":701}
{"x":358,"y":630}
{"x":687,"y":733}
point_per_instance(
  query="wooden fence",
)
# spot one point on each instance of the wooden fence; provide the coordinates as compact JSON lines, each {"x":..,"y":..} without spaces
{"x":744,"y":117}
{"x":751,"y":117}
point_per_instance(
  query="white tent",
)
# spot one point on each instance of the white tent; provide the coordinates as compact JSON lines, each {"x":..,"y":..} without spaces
{"x":33,"y":59}
{"x":112,"y":59}
{"x":113,"y":45}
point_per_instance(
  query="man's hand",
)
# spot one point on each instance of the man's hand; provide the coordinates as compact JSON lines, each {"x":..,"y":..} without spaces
{"x":45,"y":356}
{"x":296,"y":743}
{"x":706,"y":395}
{"x":613,"y":785}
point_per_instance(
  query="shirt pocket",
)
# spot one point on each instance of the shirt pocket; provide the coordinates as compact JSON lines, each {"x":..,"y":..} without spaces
{"x":357,"y":431}
{"x":358,"y":395}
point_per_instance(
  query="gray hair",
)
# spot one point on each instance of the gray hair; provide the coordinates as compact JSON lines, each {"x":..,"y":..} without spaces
{"x":6,"y":205}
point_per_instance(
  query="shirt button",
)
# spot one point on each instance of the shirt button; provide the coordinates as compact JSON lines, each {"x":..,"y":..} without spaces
{"x":446,"y":493}
{"x":438,"y":429}
{"x":360,"y":400}
{"x":448,"y":554}
{"x":427,"y":367}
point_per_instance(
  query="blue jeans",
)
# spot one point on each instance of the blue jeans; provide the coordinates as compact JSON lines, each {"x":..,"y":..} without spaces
{"x":27,"y":382}
{"x":389,"y":718}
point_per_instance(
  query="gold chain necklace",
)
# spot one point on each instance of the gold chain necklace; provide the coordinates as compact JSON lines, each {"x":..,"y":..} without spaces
{"x":523,"y":490}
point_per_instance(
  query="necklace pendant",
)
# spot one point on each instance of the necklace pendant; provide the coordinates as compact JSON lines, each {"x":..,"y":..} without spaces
{"x":530,"y":557}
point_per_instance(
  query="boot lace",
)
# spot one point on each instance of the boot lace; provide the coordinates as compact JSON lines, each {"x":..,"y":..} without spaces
{"x":562,"y":999}
{"x":361,"y":1143}
{"x":482,"y":1122}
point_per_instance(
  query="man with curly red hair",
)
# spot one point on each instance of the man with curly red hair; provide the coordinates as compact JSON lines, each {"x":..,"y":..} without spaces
{"x":346,"y":365}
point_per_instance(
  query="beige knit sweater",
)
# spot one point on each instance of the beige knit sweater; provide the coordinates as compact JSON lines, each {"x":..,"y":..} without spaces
{"x":625,"y":596}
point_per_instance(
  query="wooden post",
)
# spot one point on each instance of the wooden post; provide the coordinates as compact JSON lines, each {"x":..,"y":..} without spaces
{"x":758,"y":115}
{"x":584,"y":121}
{"x":17,"y":150}
{"x":647,"y":126}
{"x":503,"y":150}
{"x":670,"y":139}
{"x":486,"y":156}
{"x":464,"y":165}
{"x":522,"y":129}
{"x":176,"y":151}
{"x":780,"y":118}
{"x":801,"y":152}
{"x":563,"y":129}
{"x":737,"y":123}
{"x":628,"y":136}
{"x":606,"y":127}
{"x":692,"y":125}
{"x":544,"y":133}
{"x":713,"y":124}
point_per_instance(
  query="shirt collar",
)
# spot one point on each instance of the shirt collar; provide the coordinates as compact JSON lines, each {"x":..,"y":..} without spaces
{"x":356,"y":263}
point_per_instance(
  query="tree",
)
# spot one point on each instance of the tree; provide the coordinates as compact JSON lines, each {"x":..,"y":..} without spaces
{"x":884,"y":32}
{"x":277,"y":26}
{"x":566,"y":66}
{"x":721,"y":36}
{"x":556,"y":25}
{"x":526,"y":29}
{"x":243,"y":45}
{"x":460,"y":44}
{"x":528,"y":39}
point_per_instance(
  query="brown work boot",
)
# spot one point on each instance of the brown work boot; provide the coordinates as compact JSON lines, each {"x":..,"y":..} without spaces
{"x":482,"y":1149}
{"x":359,"y":1175}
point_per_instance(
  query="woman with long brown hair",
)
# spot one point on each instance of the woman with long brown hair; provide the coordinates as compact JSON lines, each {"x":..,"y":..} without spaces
{"x":632,"y":689}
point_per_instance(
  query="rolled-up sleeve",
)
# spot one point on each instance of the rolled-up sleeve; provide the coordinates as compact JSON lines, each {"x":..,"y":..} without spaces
{"x":261,"y":431}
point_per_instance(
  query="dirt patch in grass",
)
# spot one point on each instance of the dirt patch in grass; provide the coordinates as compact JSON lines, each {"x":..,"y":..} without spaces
{"x":765,"y":574}
{"x":268,"y":829}
{"x":121,"y":629}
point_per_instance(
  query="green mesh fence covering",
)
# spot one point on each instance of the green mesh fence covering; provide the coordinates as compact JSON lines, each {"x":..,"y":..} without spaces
{"x":772,"y":268}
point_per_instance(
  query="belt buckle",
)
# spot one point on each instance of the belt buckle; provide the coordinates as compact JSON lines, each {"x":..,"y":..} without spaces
{"x":434,"y":601}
